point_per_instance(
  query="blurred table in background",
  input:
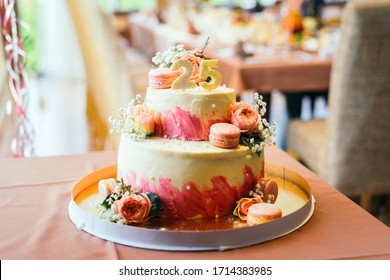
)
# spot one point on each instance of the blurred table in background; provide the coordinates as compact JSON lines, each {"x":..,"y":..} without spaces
{"x":149,"y":36}
{"x":294,"y":71}
{"x":141,"y":33}
{"x":273,"y":62}
{"x":299,"y":71}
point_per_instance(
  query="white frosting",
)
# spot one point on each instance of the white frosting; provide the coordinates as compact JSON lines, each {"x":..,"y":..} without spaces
{"x":197,"y":102}
{"x":184,"y":161}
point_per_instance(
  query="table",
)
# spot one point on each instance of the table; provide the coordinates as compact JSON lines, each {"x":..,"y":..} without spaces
{"x":299,"y":71}
{"x":149,"y":36}
{"x":35,"y":194}
{"x":141,"y":35}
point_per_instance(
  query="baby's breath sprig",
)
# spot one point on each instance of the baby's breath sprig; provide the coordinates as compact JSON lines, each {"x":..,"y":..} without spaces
{"x":123,"y":122}
{"x":121,"y":190}
{"x":167,"y":58}
{"x":256,"y":192}
{"x":263,"y":135}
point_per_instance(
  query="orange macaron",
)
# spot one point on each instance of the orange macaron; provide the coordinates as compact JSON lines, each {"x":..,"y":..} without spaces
{"x":263,"y":212}
{"x":224,"y":135}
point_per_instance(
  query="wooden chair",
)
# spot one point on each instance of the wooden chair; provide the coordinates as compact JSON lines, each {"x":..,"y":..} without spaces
{"x":108,"y":82}
{"x":351,"y":149}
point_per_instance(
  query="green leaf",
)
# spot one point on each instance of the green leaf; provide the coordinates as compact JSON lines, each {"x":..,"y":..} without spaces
{"x":156,"y":204}
{"x":106,"y":204}
{"x":245,"y":140}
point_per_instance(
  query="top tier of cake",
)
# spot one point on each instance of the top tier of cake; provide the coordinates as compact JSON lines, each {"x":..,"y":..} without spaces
{"x":188,"y":114}
{"x":185,"y":100}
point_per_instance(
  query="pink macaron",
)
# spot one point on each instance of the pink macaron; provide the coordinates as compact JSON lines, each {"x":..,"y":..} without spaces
{"x":263,"y":212}
{"x":160,"y":78}
{"x":270,"y":190}
{"x":224,"y":135}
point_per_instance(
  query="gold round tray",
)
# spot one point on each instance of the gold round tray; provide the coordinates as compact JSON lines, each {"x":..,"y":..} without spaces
{"x":295,"y":199}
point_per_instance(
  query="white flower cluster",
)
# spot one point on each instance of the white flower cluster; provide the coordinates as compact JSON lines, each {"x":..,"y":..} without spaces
{"x":110,"y":214}
{"x":256,"y":192}
{"x":123,"y":124}
{"x":265,"y":132}
{"x":256,"y":147}
{"x":167,"y":58}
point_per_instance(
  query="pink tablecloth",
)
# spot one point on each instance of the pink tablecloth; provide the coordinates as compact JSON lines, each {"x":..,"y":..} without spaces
{"x":298,"y":72}
{"x":35,"y":194}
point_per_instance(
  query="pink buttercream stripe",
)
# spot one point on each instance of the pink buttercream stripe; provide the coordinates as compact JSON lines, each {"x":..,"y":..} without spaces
{"x":190,"y":201}
{"x":165,"y":194}
{"x":179,"y":124}
{"x":184,"y":123}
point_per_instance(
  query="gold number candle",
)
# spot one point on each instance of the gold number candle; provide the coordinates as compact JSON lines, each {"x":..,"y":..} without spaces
{"x":183,"y":82}
{"x":207,"y":71}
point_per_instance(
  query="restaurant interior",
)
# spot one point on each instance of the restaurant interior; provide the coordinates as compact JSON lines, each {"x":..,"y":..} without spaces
{"x":322,"y":67}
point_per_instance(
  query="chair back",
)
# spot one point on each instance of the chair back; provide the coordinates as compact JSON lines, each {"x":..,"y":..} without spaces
{"x":357,"y":156}
{"x":108,"y":82}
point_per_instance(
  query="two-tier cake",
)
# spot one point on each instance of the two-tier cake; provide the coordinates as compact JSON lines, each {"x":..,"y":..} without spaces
{"x":189,"y":143}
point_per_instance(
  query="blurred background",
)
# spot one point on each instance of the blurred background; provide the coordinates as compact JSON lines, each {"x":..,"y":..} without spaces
{"x":57,"y":105}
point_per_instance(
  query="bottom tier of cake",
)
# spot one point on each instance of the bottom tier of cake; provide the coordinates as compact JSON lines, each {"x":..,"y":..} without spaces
{"x":192,"y":179}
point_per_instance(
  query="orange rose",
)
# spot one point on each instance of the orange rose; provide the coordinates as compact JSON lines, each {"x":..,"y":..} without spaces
{"x":244,"y":116}
{"x":134,"y":208}
{"x":143,"y":120}
{"x":195,"y":61}
{"x":243,"y":204}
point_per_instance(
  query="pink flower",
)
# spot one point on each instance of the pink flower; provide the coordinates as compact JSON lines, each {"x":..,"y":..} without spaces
{"x":143,"y":120}
{"x":195,"y":61}
{"x":243,"y":204}
{"x":134,"y":208}
{"x":245,"y":117}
